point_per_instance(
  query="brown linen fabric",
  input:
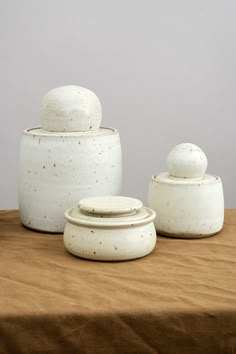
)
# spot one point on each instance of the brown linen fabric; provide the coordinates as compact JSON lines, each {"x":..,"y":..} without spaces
{"x":179,"y":299}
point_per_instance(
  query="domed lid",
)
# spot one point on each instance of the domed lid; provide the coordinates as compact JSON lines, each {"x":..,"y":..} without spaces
{"x":186,"y":161}
{"x":110,"y":211}
{"x":69,"y":109}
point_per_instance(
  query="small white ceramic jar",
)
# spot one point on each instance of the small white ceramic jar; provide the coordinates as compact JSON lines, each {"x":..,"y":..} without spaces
{"x":110,"y":229}
{"x":68,"y":159}
{"x":188,"y":202}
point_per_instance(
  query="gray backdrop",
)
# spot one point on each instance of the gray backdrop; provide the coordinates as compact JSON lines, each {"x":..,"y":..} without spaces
{"x":164,"y":71}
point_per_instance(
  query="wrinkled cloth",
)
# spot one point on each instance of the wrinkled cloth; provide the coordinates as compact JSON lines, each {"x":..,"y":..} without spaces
{"x":179,"y":299}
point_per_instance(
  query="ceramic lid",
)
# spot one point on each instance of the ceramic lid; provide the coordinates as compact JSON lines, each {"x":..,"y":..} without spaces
{"x":186,"y":161}
{"x":110,"y":205}
{"x":186,"y":164}
{"x":69,"y":109}
{"x":110,"y":211}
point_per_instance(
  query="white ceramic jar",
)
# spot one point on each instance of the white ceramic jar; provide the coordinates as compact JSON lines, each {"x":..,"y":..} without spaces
{"x":74,"y":160}
{"x":188,"y":202}
{"x":110,"y":229}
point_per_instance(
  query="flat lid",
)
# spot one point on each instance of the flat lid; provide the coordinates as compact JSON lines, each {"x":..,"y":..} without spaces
{"x":110,"y":212}
{"x":110,"y":205}
{"x":167,"y":179}
{"x":102,"y":131}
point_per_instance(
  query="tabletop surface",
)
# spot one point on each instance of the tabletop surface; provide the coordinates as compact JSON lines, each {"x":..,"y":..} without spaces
{"x":179,"y":298}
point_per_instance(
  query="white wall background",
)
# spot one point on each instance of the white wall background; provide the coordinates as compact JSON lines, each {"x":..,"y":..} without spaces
{"x":165,"y":72}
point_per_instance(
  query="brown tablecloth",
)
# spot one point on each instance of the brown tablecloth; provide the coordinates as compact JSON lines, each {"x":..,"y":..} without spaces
{"x":179,"y":299}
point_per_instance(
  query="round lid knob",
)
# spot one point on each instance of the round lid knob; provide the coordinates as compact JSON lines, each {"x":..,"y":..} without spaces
{"x":186,"y":161}
{"x":70,"y":108}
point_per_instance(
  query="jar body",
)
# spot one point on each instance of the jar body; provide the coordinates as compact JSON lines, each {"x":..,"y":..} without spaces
{"x":110,"y":244}
{"x":59,"y":169}
{"x":187,"y":210}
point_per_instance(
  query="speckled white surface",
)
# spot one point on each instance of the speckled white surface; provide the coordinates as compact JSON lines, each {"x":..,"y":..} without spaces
{"x":110,"y":238}
{"x":71,"y":157}
{"x":59,"y":169}
{"x":110,"y":205}
{"x":70,"y":108}
{"x":186,"y":161}
{"x":187,"y":207}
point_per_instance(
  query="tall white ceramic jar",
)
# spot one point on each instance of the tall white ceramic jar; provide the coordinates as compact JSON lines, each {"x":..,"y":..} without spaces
{"x":188,"y":202}
{"x":71,"y":157}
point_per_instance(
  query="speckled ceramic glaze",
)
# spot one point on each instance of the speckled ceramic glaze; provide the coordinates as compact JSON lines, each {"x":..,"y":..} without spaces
{"x":59,"y":168}
{"x":110,"y":229}
{"x":188,"y":202}
{"x":70,"y":108}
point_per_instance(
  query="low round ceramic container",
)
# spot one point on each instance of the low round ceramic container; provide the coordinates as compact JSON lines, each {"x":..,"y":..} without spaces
{"x":190,"y":206}
{"x":110,"y":229}
{"x":58,"y":168}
